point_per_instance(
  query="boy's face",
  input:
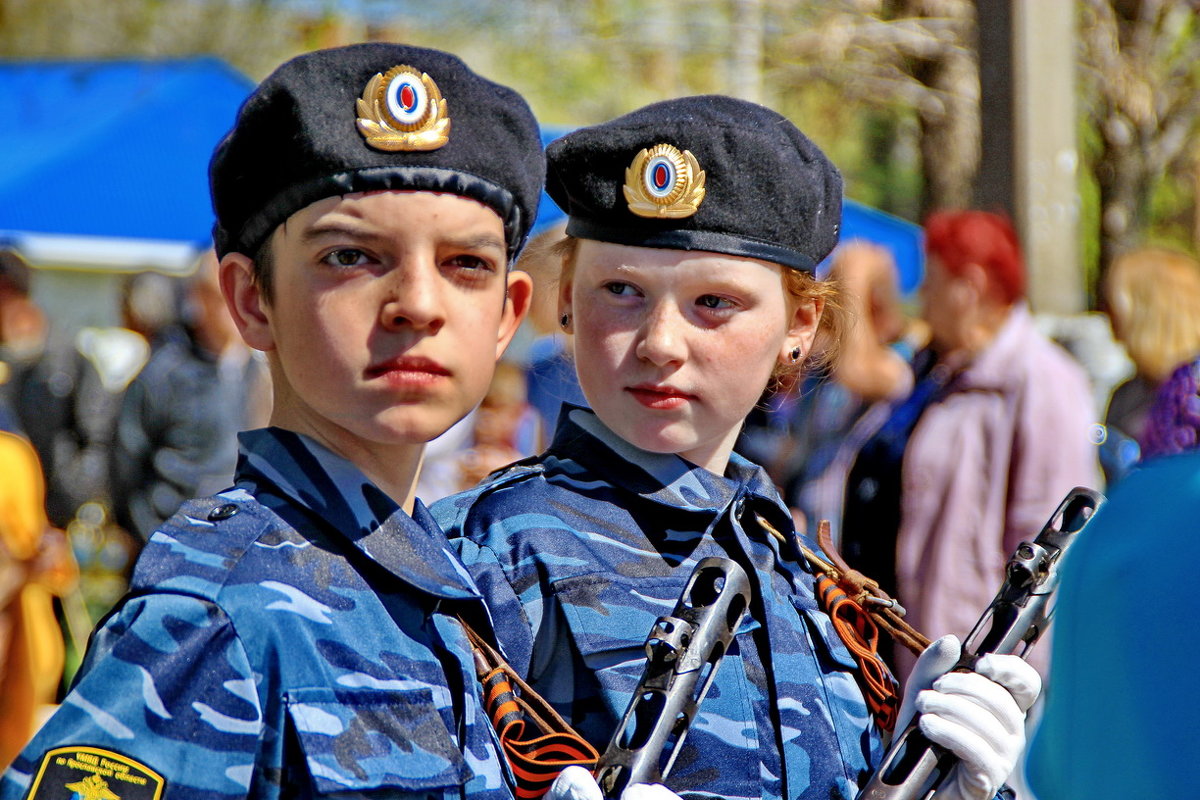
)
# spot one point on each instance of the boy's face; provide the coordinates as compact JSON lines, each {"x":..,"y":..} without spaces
{"x":388,"y":313}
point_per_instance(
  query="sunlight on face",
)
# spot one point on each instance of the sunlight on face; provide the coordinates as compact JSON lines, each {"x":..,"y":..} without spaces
{"x":388,"y":315}
{"x":674,"y":347}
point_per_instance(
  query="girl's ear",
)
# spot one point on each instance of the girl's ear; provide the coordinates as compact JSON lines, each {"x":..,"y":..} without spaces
{"x":566,"y":316}
{"x":802,"y":329}
{"x":247,"y":305}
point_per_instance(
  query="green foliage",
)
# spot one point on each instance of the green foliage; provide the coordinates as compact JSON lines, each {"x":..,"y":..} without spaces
{"x":874,"y":148}
{"x":1089,"y":206}
{"x":1173,"y":209}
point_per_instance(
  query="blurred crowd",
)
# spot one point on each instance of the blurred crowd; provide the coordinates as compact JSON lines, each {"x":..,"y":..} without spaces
{"x":944,"y":432}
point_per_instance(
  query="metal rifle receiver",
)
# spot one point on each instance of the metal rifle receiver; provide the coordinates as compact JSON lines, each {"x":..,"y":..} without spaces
{"x":683,"y":652}
{"x":914,"y":767}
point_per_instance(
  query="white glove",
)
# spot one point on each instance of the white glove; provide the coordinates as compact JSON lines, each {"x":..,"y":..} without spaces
{"x":576,"y":783}
{"x":979,"y":716}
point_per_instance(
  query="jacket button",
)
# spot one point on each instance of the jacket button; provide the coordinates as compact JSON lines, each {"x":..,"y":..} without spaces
{"x":222,"y":512}
{"x":739,"y":506}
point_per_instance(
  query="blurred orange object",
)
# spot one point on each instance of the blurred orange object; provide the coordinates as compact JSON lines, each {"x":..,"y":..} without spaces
{"x":35,"y":565}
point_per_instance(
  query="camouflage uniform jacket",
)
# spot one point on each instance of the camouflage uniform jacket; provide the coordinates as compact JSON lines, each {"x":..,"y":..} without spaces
{"x":579,"y":550}
{"x":292,"y":637}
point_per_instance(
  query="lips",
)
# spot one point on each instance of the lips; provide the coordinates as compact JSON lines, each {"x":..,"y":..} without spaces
{"x":658,"y":396}
{"x":408,"y":370}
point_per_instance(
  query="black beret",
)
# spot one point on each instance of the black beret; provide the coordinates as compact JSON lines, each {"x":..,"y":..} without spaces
{"x":700,"y":173}
{"x":323,"y":125}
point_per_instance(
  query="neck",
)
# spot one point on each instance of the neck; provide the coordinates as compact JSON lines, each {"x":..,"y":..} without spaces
{"x":713,"y":456}
{"x":394,"y":468}
{"x":979,"y":332}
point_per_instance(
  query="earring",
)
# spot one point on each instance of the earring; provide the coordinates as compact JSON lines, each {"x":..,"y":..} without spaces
{"x":795,"y":354}
{"x":564,"y":320}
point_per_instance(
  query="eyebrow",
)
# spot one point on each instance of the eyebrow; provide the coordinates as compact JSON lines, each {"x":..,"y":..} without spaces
{"x":480,"y":242}
{"x":322,"y":230}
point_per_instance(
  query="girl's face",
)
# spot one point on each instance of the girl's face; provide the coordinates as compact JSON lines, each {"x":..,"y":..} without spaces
{"x":675,"y":347}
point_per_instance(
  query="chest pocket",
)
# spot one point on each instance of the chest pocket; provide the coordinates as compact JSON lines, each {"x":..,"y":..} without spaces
{"x":853,"y":725}
{"x":831,"y":652}
{"x":608,"y":620}
{"x":609,"y":617}
{"x":360,"y":741}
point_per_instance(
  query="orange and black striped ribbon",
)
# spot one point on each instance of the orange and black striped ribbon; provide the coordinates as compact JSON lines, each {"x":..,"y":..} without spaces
{"x":536,"y":757}
{"x":537,"y":742}
{"x":861,"y":636}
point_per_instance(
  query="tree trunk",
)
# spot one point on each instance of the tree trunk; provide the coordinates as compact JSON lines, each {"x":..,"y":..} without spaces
{"x":1122,"y":178}
{"x":950,"y":133}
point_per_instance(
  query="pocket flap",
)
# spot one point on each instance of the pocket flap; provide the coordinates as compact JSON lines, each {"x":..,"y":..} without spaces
{"x":610,"y":618}
{"x":367,"y":740}
{"x":827,"y":643}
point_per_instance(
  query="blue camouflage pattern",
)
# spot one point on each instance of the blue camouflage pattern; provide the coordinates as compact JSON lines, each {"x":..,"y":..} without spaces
{"x":579,"y":550}
{"x":294,"y":636}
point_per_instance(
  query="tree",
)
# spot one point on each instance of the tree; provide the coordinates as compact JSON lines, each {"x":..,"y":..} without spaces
{"x":908,"y":56}
{"x":1142,"y":99}
{"x":253,"y":35}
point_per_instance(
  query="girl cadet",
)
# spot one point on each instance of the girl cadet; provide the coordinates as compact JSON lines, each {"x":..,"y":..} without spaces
{"x":694,"y":229}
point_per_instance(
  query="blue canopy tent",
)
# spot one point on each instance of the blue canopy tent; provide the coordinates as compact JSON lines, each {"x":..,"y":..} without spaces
{"x":103,"y":164}
{"x":901,"y":237}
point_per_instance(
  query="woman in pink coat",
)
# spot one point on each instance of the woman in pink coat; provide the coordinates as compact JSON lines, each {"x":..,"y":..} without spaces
{"x":977,"y":458}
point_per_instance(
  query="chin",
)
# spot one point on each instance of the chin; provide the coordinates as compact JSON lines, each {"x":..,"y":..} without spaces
{"x":656,"y":441}
{"x":412,"y":429}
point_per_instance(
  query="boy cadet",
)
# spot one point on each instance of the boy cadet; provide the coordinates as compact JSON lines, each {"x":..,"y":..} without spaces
{"x":300,"y":633}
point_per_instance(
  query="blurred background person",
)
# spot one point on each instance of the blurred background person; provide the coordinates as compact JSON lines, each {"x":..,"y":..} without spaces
{"x":502,"y":429}
{"x":175,"y":434}
{"x":1152,"y":297}
{"x":806,"y":433}
{"x":993,"y":434}
{"x":35,"y":561}
{"x":22,"y":333}
{"x":64,"y":390}
{"x":505,"y":429}
{"x":1173,"y":419}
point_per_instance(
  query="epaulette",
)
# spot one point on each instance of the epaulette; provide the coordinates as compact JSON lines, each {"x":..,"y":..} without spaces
{"x":195,"y":549}
{"x":464,"y":502}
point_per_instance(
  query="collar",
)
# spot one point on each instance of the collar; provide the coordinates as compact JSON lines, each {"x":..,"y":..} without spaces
{"x":663,"y":478}
{"x":287,"y":471}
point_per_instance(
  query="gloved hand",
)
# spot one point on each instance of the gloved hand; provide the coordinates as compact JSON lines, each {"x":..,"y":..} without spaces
{"x":979,"y":716}
{"x":576,"y":783}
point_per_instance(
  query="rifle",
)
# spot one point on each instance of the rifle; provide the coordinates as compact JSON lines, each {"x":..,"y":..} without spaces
{"x":914,"y":767}
{"x":683,"y":652}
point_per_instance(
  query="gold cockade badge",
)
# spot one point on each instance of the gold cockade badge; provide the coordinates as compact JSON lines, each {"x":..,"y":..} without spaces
{"x":664,"y":182}
{"x":403,"y":109}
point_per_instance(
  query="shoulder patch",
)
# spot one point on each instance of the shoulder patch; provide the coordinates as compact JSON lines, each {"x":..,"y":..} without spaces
{"x":93,"y":773}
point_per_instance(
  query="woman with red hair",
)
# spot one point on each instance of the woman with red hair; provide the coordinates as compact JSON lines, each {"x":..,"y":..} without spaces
{"x":993,"y":435}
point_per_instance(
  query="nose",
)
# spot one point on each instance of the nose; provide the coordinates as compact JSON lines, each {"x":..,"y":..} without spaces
{"x":413,"y":298}
{"x":661,"y":340}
